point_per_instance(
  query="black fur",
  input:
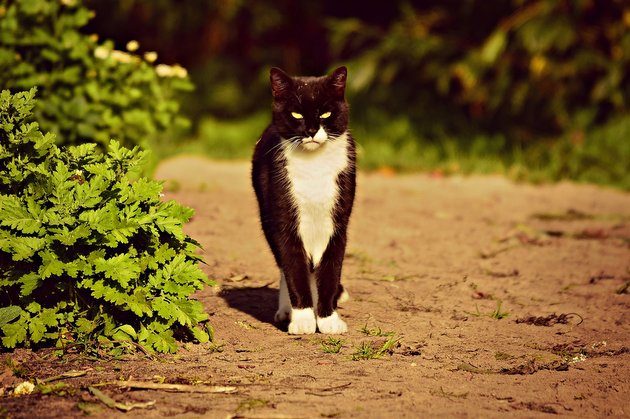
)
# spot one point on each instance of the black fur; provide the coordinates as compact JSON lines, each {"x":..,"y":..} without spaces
{"x":311,"y":97}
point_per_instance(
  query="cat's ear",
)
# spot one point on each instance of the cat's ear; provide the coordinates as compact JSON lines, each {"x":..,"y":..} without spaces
{"x":280,"y":82}
{"x":337,"y":81}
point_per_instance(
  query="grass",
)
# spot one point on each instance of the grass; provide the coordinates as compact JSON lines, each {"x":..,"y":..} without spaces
{"x":497,"y":313}
{"x":332,"y":345}
{"x":374,"y":331}
{"x":367,"y":350}
{"x":598,"y":157}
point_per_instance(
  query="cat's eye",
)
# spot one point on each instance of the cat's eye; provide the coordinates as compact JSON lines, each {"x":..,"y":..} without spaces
{"x":325,"y":115}
{"x":296,"y":115}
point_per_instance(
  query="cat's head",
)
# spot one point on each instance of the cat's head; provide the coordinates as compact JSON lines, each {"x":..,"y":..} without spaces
{"x":309,"y":110}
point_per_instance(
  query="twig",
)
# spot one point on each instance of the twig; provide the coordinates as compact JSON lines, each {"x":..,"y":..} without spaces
{"x":69,"y":374}
{"x":113,"y":404}
{"x":179,"y":388}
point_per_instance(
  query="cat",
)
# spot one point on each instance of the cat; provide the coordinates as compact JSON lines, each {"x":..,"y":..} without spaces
{"x":304,"y":176}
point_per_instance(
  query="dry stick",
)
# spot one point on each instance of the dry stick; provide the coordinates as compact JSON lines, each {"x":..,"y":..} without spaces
{"x":69,"y":374}
{"x":111,"y":403}
{"x":181,"y":388}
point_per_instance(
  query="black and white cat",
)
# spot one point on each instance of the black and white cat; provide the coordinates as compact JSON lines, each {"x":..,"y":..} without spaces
{"x":303,"y":172}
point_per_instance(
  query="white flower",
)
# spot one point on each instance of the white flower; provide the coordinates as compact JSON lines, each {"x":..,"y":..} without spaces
{"x":179,"y":71}
{"x":132,"y":46}
{"x":122,"y":57}
{"x":150,"y":56}
{"x":101,"y":52}
{"x":164,"y":70}
{"x":24,"y":388}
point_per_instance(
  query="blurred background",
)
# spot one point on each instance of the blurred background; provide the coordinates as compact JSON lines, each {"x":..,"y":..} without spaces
{"x":536,"y":90}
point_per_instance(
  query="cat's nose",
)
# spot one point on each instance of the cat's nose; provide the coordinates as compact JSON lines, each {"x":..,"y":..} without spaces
{"x":311,"y":131}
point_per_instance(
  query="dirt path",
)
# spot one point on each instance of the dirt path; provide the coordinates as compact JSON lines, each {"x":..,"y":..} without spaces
{"x":429,"y":259}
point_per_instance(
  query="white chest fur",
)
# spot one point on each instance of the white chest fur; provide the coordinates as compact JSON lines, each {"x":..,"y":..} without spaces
{"x":312,"y":177}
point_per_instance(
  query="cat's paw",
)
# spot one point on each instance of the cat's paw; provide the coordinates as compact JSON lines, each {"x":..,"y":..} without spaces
{"x":332,"y":324}
{"x":283,"y":313}
{"x":302,"y":321}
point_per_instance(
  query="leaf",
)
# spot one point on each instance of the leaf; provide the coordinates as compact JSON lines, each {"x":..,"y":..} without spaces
{"x":125,"y":332}
{"x":15,"y":215}
{"x":50,"y":265}
{"x":24,"y":247}
{"x":494,"y":46}
{"x":8,"y":314}
{"x":29,"y":282}
{"x":121,"y":268}
{"x":37,"y":329}
{"x":14,"y":333}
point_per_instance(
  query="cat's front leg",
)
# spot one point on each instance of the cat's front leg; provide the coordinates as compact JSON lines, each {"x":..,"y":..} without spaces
{"x":328,"y":275}
{"x":297,"y":279}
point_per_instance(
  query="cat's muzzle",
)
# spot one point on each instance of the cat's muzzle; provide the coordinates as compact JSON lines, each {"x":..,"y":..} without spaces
{"x":310,"y":143}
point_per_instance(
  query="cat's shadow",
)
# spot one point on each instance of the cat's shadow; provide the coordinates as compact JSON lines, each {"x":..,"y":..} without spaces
{"x":258,"y":302}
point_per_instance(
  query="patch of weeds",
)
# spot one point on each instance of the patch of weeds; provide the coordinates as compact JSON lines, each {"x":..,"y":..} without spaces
{"x":448,"y":394}
{"x":495,"y":314}
{"x":367,"y":350}
{"x":246,"y":325}
{"x":374,"y":331}
{"x":250,"y":404}
{"x":549,"y":320}
{"x":332,"y":345}
{"x":216,"y":347}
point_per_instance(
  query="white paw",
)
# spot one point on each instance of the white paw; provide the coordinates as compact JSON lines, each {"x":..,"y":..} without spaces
{"x":332,"y":324}
{"x":283,"y":313}
{"x":302,"y":321}
{"x":344,"y":297}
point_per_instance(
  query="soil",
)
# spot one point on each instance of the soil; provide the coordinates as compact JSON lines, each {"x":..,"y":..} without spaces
{"x":495,"y":297}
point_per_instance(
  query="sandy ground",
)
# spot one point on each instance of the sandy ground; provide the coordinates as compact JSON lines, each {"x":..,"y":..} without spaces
{"x":429,"y":260}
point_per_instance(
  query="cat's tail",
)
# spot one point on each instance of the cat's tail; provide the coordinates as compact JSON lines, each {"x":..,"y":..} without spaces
{"x":342,"y":295}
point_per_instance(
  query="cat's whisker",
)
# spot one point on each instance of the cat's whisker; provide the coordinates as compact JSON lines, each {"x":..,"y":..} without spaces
{"x":282,"y":143}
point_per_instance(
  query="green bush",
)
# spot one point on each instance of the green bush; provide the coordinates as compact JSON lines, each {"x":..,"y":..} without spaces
{"x":89,"y":92}
{"x":86,"y":253}
{"x":526,"y":69}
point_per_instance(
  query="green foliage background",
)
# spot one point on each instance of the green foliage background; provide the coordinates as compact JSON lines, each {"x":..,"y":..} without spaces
{"x":537,"y":89}
{"x":89,"y":256}
{"x":88,"y":91}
